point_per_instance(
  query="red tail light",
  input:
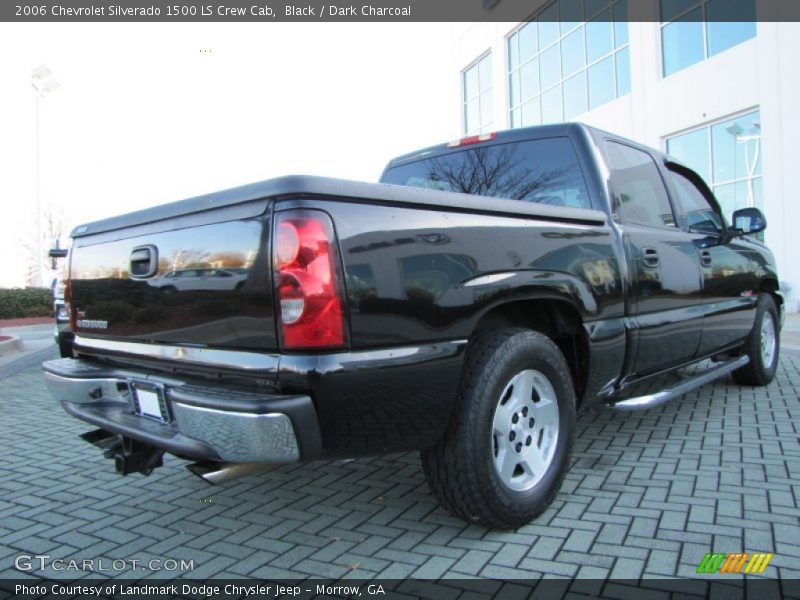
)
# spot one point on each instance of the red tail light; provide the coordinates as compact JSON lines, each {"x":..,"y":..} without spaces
{"x":308,"y":281}
{"x":73,"y":324}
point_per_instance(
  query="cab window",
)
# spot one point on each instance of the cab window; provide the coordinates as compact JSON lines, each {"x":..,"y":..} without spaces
{"x":641,"y":197}
{"x":700,"y":214}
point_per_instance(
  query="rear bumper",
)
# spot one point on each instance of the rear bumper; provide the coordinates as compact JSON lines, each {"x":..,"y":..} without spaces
{"x":204,"y":422}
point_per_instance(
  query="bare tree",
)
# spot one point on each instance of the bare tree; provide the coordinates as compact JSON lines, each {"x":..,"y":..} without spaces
{"x":55,"y":226}
{"x":497,"y":172}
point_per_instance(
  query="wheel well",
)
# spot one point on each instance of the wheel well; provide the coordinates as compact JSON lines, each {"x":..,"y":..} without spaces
{"x":556,"y":319}
{"x":770,"y":286}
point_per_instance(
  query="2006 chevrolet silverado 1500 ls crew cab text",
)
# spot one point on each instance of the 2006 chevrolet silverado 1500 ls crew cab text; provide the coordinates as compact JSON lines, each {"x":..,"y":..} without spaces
{"x":466,"y":310}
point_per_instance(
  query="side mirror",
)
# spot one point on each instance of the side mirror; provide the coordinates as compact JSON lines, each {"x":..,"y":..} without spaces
{"x":749,"y":220}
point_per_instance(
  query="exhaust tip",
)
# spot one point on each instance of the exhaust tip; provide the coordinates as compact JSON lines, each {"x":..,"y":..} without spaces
{"x":217,"y":473}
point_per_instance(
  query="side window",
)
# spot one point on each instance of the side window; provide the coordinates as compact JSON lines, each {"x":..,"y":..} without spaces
{"x":641,"y":196}
{"x":700,"y":215}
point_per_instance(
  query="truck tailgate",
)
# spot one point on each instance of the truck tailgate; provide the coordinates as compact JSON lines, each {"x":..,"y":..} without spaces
{"x":211,"y":284}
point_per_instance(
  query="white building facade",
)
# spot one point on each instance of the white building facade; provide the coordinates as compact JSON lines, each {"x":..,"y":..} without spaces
{"x":722,"y":97}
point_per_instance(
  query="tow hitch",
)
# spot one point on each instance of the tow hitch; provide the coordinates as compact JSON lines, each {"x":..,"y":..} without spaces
{"x":130,"y":456}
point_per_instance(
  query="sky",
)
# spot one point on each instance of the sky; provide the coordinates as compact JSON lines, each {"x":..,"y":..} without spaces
{"x":150,"y":113}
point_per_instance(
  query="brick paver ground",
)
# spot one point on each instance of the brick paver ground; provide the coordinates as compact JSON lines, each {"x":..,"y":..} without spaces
{"x":647,"y":496}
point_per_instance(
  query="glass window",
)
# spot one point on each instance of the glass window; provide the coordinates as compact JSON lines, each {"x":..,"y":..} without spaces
{"x":550,"y":65}
{"x":552,"y":107}
{"x":575,"y":101}
{"x":671,"y":9}
{"x":641,"y":197}
{"x":601,"y":82}
{"x":529,"y":78}
{"x":736,"y":148}
{"x":599,"y":36}
{"x":478,"y":105}
{"x":727,"y":155}
{"x":566,"y":74}
{"x":531,"y":112}
{"x":572,"y":52}
{"x":528,"y":42}
{"x":623,"y":72}
{"x":682,"y":42}
{"x":692,"y":149}
{"x":570,"y":14}
{"x":544,"y":171}
{"x":700,"y":215}
{"x":620,"y":23}
{"x":593,"y":7}
{"x":548,"y":26}
{"x":693,"y":30}
{"x":514,"y":90}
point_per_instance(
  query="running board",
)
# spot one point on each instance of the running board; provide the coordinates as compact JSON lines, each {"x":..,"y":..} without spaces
{"x":659,"y":398}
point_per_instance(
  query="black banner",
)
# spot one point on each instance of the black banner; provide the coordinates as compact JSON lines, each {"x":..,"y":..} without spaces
{"x":367,"y":11}
{"x":729,"y":588}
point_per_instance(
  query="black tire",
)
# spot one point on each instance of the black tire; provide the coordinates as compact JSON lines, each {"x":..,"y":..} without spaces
{"x":65,"y":349}
{"x":65,"y":346}
{"x":460,"y":469}
{"x":756,"y":372}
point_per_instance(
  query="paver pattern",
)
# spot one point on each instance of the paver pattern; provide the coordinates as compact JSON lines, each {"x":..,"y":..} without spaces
{"x":648,"y":495}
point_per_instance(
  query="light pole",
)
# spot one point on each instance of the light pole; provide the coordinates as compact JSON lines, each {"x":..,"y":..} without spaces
{"x":44,"y":83}
{"x":736,"y":131}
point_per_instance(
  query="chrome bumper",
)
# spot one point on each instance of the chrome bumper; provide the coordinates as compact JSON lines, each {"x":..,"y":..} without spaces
{"x":103,"y":397}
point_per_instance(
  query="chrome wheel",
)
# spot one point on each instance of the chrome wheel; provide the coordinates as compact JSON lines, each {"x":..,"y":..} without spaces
{"x":768,"y":340}
{"x":525,"y":430}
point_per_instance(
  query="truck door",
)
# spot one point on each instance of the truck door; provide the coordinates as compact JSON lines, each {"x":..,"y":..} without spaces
{"x":663,"y":265}
{"x":729,"y":277}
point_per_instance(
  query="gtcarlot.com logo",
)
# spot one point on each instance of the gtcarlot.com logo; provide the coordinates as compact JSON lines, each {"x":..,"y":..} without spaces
{"x":43,"y":562}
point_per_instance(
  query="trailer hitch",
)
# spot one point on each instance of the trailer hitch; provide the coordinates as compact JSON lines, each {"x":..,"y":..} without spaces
{"x":130,"y":456}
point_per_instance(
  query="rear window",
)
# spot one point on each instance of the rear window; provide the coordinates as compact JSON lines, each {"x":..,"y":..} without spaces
{"x":544,"y":171}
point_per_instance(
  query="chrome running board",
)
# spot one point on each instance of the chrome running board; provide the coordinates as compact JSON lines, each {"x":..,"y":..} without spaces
{"x":659,"y":398}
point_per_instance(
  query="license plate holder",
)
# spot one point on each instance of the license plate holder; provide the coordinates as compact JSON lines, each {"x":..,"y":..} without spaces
{"x":150,"y":400}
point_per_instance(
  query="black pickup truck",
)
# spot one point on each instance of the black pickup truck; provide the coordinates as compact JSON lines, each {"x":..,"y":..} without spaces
{"x":465,"y":307}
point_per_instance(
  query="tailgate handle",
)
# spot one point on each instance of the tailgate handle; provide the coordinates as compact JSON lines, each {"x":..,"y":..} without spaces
{"x":144,"y":262}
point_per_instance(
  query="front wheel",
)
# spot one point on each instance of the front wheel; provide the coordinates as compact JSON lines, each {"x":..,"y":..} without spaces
{"x":762,"y":346}
{"x":508,"y":441}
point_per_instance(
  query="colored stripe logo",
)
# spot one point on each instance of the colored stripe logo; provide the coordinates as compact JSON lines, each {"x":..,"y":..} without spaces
{"x":732,"y":563}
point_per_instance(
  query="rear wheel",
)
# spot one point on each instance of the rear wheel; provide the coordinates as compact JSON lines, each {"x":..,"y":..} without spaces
{"x":507,"y":446}
{"x":762,"y":346}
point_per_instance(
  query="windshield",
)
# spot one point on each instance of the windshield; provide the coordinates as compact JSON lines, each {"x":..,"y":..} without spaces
{"x":545,"y":171}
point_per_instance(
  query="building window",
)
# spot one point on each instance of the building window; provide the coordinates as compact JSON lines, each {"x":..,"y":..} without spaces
{"x":477,"y":94}
{"x":573,"y":57}
{"x":727,"y":155}
{"x":694,"y":30}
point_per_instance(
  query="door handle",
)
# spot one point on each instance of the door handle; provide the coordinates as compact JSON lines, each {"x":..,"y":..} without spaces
{"x":650,"y":257}
{"x":143,"y":262}
{"x":705,"y":258}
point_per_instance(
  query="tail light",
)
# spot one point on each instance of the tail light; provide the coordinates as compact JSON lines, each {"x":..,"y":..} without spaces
{"x":73,"y":324}
{"x":308,"y":281}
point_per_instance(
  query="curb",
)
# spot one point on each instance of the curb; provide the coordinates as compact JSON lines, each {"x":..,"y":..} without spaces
{"x":12,"y":344}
